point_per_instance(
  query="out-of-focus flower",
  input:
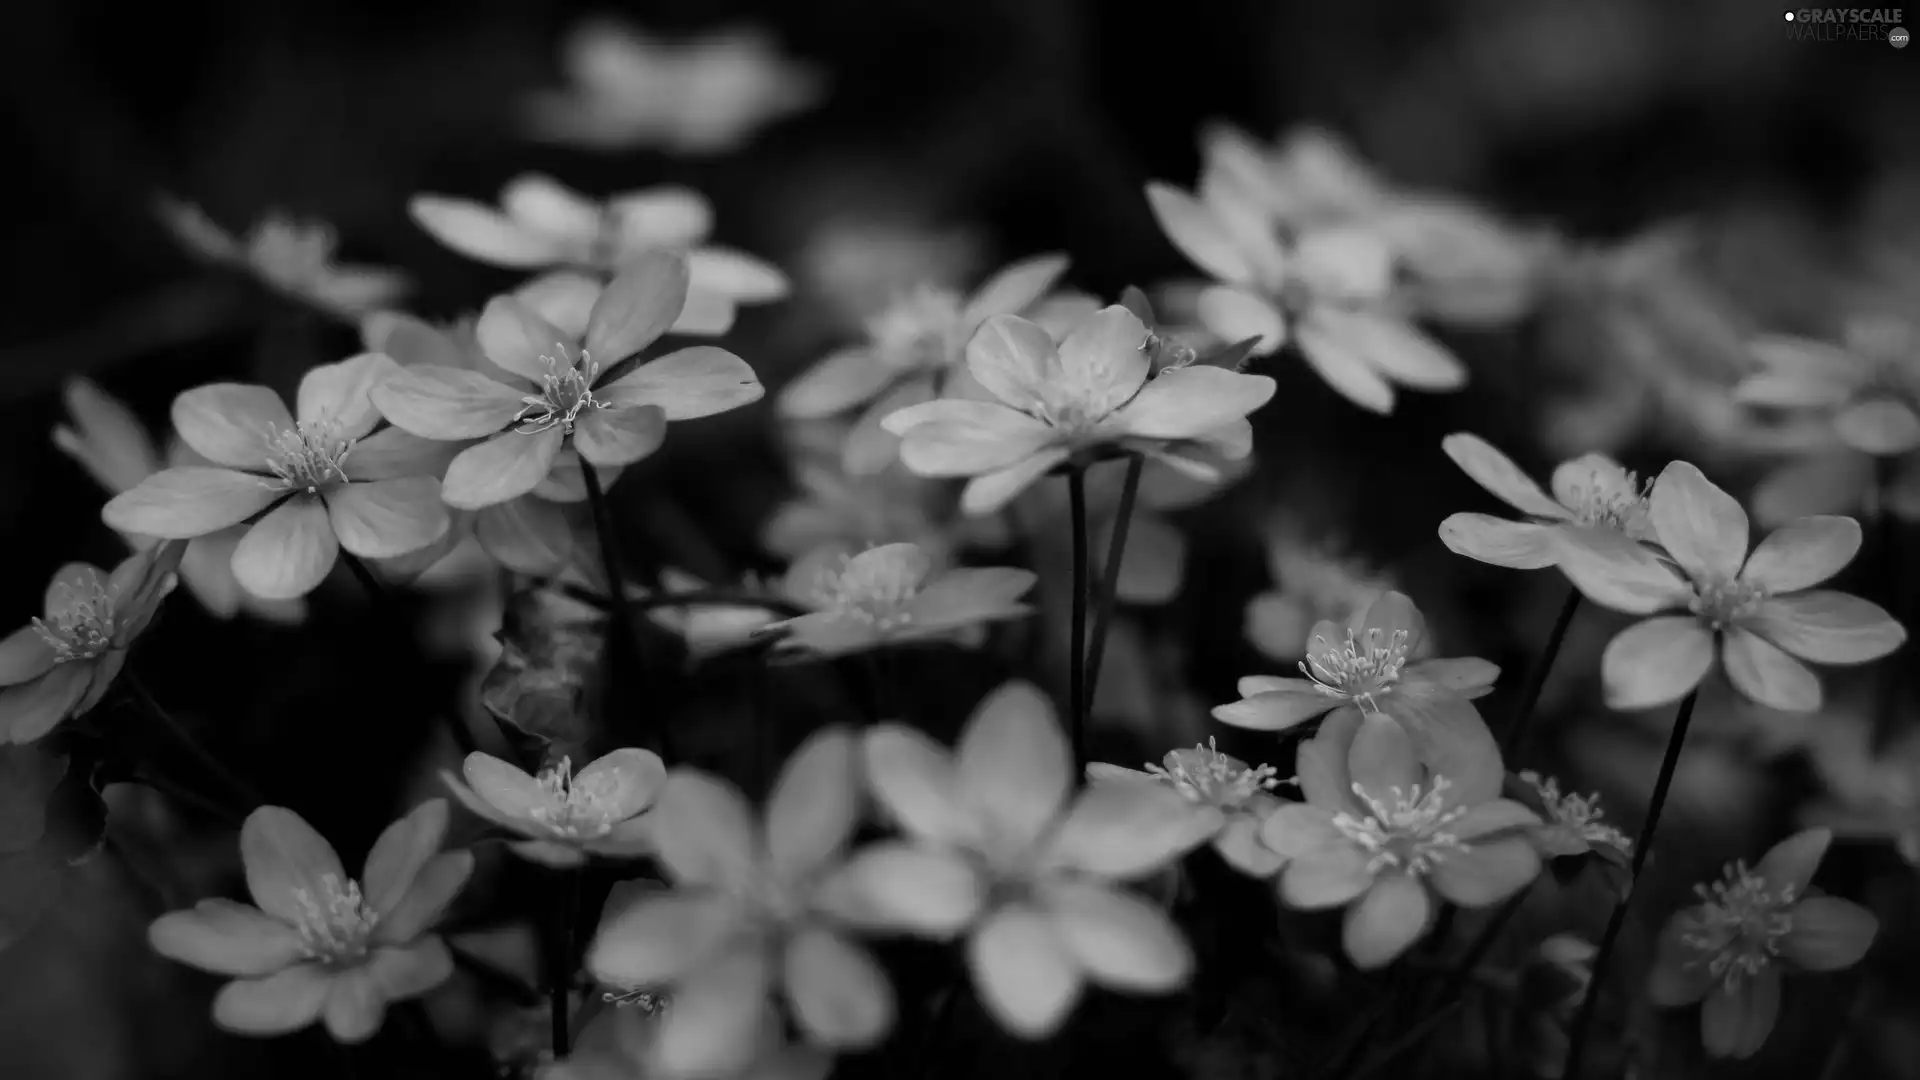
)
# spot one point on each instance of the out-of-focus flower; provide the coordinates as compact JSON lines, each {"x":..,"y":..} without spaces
{"x":1757,"y":608}
{"x":1052,"y":403}
{"x":707,"y":628}
{"x":1871,"y":794}
{"x":1378,"y":830}
{"x":628,"y":89}
{"x":1838,"y":480}
{"x":62,"y":664}
{"x":1461,"y":263}
{"x":324,"y":481}
{"x":1242,"y":793}
{"x":998,"y":847}
{"x":1591,"y":491}
{"x":315,"y":944}
{"x":891,"y":594}
{"x":542,"y":223}
{"x":1870,"y":385}
{"x":601,"y":811}
{"x":292,"y":257}
{"x":108,"y":441}
{"x":915,"y":351}
{"x":1570,"y":823}
{"x":618,"y":1044}
{"x":554,"y":395}
{"x":747,"y":913}
{"x":1730,"y":948}
{"x":834,"y":507}
{"x":1357,"y":670}
{"x":1312,"y":585}
{"x":1329,"y":287}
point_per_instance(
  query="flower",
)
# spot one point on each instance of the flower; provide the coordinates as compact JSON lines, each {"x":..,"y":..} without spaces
{"x":315,"y":944}
{"x":890,"y":594}
{"x":64,"y":662}
{"x":1378,"y":830}
{"x":1241,"y":792}
{"x":998,"y":846}
{"x":602,"y":811}
{"x":892,"y":506}
{"x":1871,"y":794}
{"x":1051,"y":404}
{"x":1836,"y":480}
{"x":294,"y":258}
{"x":618,"y":1044}
{"x":1312,"y":584}
{"x":1365,"y":669}
{"x":627,"y":89}
{"x":324,"y":481}
{"x":542,"y":223}
{"x":1329,"y":286}
{"x":915,"y":351}
{"x":747,"y":914}
{"x":1729,"y":949}
{"x":1570,"y":823}
{"x":1591,"y":491}
{"x":1871,"y":385}
{"x":110,"y":443}
{"x":1758,"y":607}
{"x":553,"y":395}
{"x":707,"y":628}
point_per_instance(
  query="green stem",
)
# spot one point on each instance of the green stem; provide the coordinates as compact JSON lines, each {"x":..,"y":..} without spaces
{"x":164,"y":722}
{"x":560,"y":959}
{"x":1109,"y":588}
{"x":1514,"y":739}
{"x":1077,"y":670}
{"x":1589,"y":1003}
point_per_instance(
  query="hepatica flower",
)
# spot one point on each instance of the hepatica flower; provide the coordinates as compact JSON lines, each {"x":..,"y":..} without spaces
{"x":1569,"y":822}
{"x":1591,"y":492}
{"x":1871,"y":383}
{"x":746,"y":917}
{"x":320,"y":482}
{"x":1328,"y":287}
{"x":1312,"y":584}
{"x":61,"y":664}
{"x":556,"y":394}
{"x":566,"y":817}
{"x":915,"y":351}
{"x":890,"y":594}
{"x":1758,"y":610}
{"x":998,"y":846}
{"x":1052,"y":403}
{"x":1378,"y":831}
{"x":1242,"y":793}
{"x":315,"y":944}
{"x":1730,"y":950}
{"x":292,"y":257}
{"x":541,"y":223}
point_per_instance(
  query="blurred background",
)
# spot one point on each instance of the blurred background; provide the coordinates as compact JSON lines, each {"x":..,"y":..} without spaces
{"x":1709,"y":176}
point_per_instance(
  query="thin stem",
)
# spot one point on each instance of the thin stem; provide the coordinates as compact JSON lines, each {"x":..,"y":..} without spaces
{"x":1413,"y":1038}
{"x":1857,"y":1013}
{"x":1589,"y":1004}
{"x":618,"y":602}
{"x":1513,"y":741}
{"x":375,"y":591}
{"x":1886,"y":529}
{"x":1077,"y":672}
{"x":1109,"y":588}
{"x":165,"y":723}
{"x":779,"y":605}
{"x":560,"y":959}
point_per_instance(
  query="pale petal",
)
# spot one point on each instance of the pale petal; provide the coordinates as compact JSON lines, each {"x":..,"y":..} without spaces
{"x":1676,"y":978}
{"x":388,"y":518}
{"x":1387,"y":921}
{"x":842,"y":379}
{"x":1496,"y":472}
{"x":1766,"y":674}
{"x":480,"y":232}
{"x":916,"y":781}
{"x":401,"y":850}
{"x":707,"y":314}
{"x":518,"y":339}
{"x":687,"y":384}
{"x":894,"y":885}
{"x":1341,"y":363}
{"x":1026,"y":978}
{"x":869,"y":447}
{"x":1014,"y":360}
{"x":1828,"y":934}
{"x":355,"y":1006}
{"x":31,"y":709}
{"x":288,"y":553}
{"x":714,"y":1025}
{"x":339,"y":393}
{"x":637,"y":306}
{"x":1615,"y":572}
{"x":564,"y":298}
{"x":1802,"y":553}
{"x":1234,"y":314}
{"x":1389,"y":345}
{"x":1468,"y":676}
{"x":665,"y":215}
{"x":228,"y":423}
{"x":1321,"y":762}
{"x":1120,"y":941}
{"x":705,"y":831}
{"x":736,"y":274}
{"x":403,"y":972}
{"x":970,"y":595}
{"x":1790,"y":864}
{"x":446,"y":403}
{"x":394,"y":453}
{"x":988,"y":492}
{"x":1277,"y":710}
{"x":1825,"y":483}
{"x":110,"y":442}
{"x":1125,"y":831}
{"x":1345,"y":262}
{"x":1200,"y":233}
{"x":1014,"y":767}
{"x":814,"y":806}
{"x":1487,"y":872}
{"x":284,"y":856}
{"x":504,"y":467}
{"x":433,"y":890}
{"x":1656,"y":661}
{"x":1016,"y":287}
{"x":1184,"y":403}
{"x":1382,"y":759}
{"x":662,"y":939}
{"x":610,"y":438}
{"x":528,"y":535}
{"x":1325,"y":877}
{"x":1827,"y":627}
{"x":24,"y":654}
{"x":544,"y":206}
{"x":179,"y":504}
{"x":1882,"y":426}
{"x":511,"y":792}
{"x":226,"y":938}
{"x":1736,"y":1023}
{"x":1101,"y":362}
{"x":285,"y":1001}
{"x":1240,"y":845}
{"x":952,"y":437}
{"x":627,"y":781}
{"x":839,"y":996}
{"x":1701,"y":526}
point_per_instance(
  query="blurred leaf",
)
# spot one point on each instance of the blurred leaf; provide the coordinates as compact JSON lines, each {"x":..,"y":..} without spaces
{"x":544,"y":683}
{"x":28,"y":776}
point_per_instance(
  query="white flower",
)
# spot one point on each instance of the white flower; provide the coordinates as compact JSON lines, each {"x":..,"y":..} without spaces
{"x":292,"y":257}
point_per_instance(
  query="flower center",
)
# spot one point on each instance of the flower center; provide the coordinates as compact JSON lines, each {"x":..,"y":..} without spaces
{"x":573,"y":810}
{"x":566,"y":389}
{"x":1362,"y":668}
{"x":79,"y":624}
{"x":919,"y":330}
{"x":1205,"y":775}
{"x":310,"y":456}
{"x":1621,"y":506}
{"x":334,"y":925}
{"x":875,"y":591}
{"x":1578,"y":814}
{"x":1737,"y":929}
{"x":1723,"y":602}
{"x":1408,"y":832}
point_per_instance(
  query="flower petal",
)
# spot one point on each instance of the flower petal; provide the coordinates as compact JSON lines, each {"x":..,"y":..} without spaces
{"x":1325,"y":877}
{"x":1677,"y":977}
{"x":1234,"y":314}
{"x":1700,"y":525}
{"x":504,"y":467}
{"x":1015,"y":288}
{"x":989,"y":491}
{"x":514,"y":336}
{"x":1026,"y":978}
{"x":183,"y":503}
{"x":1655,"y":661}
{"x":480,"y":232}
{"x":24,"y":655}
{"x":402,"y":849}
{"x":288,"y":553}
{"x":503,"y":786}
{"x":1828,"y":934}
{"x":687,"y":384}
{"x":31,"y":709}
{"x":717,"y":1016}
{"x":433,"y":890}
{"x":283,"y":857}
{"x":1340,"y":361}
{"x":1014,"y":766}
{"x":1382,"y":759}
{"x":955,"y":437}
{"x":1766,"y":674}
{"x":916,"y":781}
{"x":1240,"y":845}
{"x":895,"y":885}
{"x":625,"y":781}
{"x":527,"y":535}
{"x":610,"y":438}
{"x":403,"y":972}
{"x":1615,"y":572}
{"x":106,"y":439}
{"x":814,"y":806}
{"x":842,"y":379}
{"x":1821,"y":483}
{"x":355,"y":1006}
{"x":228,"y":423}
{"x":664,"y":215}
{"x":1735,"y":1023}
{"x":285,"y":1001}
{"x":1125,"y":831}
{"x":662,"y":939}
{"x":1200,"y":233}
{"x":1101,"y":362}
{"x":705,"y":831}
{"x":1802,"y":553}
{"x":1120,"y":941}
{"x":1791,"y":863}
{"x":1827,"y":627}
{"x":1881,"y":426}
{"x":1184,"y":403}
{"x":388,"y":518}
{"x":446,"y":403}
{"x":1496,"y":472}
{"x":1389,"y":345}
{"x":338,"y":394}
{"x":839,"y":996}
{"x":736,"y":275}
{"x":637,"y":306}
{"x":971,"y":595}
{"x":395,"y":453}
{"x":1386,"y":921}
{"x":226,"y":938}
{"x":1487,"y":872}
{"x":1014,"y":360}
{"x":1277,"y":710}
{"x":1468,"y":676}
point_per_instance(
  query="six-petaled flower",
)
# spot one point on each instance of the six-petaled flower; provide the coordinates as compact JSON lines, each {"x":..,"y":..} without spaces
{"x":565,"y":816}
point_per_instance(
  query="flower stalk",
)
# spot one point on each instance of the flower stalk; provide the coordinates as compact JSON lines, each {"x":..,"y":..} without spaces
{"x":1077,"y":672}
{"x":1110,"y":585}
{"x":1513,"y":741}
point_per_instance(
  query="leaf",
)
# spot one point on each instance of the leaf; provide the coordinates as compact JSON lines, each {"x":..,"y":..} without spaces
{"x":28,"y":776}
{"x":542,"y":686}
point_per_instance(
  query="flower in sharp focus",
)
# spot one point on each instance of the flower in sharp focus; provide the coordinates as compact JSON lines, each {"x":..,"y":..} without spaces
{"x":1378,"y":831}
{"x":555,"y":396}
{"x":1328,"y":287}
{"x":111,"y":444}
{"x":746,"y":915}
{"x":1759,"y":609}
{"x":1242,"y":793}
{"x":320,"y":482}
{"x":1871,"y":384}
{"x":627,"y":89}
{"x":997,"y":845}
{"x":916,"y":351}
{"x":293,"y":257}
{"x":542,"y":223}
{"x":1591,"y":491}
{"x":1570,"y":822}
{"x":315,"y":944}
{"x":1729,"y":950}
{"x":1365,"y":669}
{"x":566,"y":817}
{"x":64,"y":662}
{"x":890,"y":594}
{"x":1052,"y":403}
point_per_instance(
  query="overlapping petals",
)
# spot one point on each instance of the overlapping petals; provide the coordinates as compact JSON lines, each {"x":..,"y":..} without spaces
{"x":891,"y":594}
{"x":564,"y":816}
{"x":1591,"y":491}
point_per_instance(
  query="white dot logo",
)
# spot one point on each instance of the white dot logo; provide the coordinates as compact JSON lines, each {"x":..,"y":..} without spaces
{"x":1898,"y":37}
{"x":1789,"y":16}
